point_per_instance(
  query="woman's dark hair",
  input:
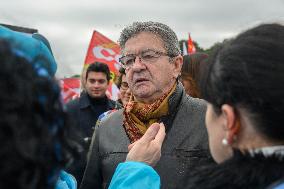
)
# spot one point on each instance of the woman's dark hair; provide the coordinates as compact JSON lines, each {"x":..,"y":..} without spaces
{"x":118,"y":80}
{"x":33,"y":125}
{"x":191,"y":71}
{"x":99,"y":67}
{"x":248,"y":72}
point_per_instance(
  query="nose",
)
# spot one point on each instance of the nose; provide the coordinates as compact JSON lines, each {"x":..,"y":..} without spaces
{"x":96,"y":84}
{"x":139,"y":59}
{"x":128,"y":92}
{"x":138,"y":65}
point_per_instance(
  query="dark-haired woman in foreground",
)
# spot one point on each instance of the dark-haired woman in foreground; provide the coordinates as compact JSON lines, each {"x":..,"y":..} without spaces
{"x":244,"y":89}
{"x":33,"y":125}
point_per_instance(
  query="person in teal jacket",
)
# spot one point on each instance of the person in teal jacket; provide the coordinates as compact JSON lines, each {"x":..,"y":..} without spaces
{"x":34,"y":129}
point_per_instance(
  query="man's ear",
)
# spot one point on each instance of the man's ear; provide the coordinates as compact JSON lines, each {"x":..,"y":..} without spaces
{"x":231,"y":122}
{"x":177,"y":63}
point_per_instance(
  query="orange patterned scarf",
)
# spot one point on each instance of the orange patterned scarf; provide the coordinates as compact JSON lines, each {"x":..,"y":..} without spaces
{"x":139,"y":116}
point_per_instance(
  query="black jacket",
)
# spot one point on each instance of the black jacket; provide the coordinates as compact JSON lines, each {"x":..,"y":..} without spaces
{"x":242,"y":171}
{"x":186,"y":143}
{"x":84,"y":114}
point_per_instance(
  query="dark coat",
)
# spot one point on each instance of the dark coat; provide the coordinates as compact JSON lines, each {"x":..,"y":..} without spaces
{"x":242,"y":171}
{"x":84,"y":115}
{"x":186,"y":143}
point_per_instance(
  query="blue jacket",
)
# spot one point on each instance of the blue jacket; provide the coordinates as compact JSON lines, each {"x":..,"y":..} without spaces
{"x":66,"y":181}
{"x":132,"y":175}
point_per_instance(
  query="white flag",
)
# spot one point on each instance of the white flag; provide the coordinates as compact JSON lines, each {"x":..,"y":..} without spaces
{"x":184,"y":49}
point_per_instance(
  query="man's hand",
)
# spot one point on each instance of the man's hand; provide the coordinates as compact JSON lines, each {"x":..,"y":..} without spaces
{"x":148,"y":148}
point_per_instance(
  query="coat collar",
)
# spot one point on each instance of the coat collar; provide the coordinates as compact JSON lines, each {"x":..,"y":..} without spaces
{"x":174,"y":102}
{"x":240,"y":171}
{"x":85,"y":102}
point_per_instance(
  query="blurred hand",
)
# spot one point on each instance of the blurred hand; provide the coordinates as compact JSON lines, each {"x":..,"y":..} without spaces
{"x":148,"y":148}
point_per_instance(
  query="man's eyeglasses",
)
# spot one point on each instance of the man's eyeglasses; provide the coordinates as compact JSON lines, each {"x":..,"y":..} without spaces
{"x":148,"y":56}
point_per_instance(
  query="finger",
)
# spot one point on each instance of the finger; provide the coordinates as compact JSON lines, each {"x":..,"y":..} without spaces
{"x":131,"y":145}
{"x":161,"y":134}
{"x":150,"y":133}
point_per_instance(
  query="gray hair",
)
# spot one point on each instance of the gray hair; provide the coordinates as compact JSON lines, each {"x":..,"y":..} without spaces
{"x":167,"y":35}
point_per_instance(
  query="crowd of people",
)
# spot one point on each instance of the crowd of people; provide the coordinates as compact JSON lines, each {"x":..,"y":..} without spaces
{"x":194,"y":121}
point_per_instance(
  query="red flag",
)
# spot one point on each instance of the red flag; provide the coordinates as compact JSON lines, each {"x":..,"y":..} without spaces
{"x":190,"y":46}
{"x":70,"y":88}
{"x":102,"y":49}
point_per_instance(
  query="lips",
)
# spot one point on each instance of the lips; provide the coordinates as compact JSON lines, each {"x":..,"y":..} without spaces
{"x":96,"y":91}
{"x":139,"y":80}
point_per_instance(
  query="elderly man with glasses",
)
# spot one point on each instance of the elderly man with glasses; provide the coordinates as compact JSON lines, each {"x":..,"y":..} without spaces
{"x":152,"y":62}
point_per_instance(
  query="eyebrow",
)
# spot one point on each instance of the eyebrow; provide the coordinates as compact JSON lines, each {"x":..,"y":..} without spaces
{"x":142,"y":51}
{"x":99,"y":80}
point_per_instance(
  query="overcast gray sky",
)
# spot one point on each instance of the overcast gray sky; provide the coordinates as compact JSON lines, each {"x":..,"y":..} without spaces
{"x":68,"y":24}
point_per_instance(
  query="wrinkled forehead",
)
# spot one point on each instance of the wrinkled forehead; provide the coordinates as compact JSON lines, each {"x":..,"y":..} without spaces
{"x":143,"y":41}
